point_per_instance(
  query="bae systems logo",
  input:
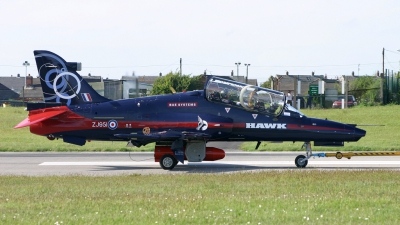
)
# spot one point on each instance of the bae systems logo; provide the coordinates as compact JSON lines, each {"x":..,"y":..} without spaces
{"x":266,"y":125}
{"x":202,"y":124}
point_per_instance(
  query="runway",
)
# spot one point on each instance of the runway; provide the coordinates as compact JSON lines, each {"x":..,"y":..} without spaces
{"x":119,"y":163}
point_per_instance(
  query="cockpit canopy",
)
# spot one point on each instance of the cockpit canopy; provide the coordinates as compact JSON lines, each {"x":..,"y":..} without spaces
{"x":248,"y":97}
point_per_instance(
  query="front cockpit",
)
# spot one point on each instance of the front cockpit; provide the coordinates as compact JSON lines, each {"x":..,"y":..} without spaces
{"x":248,"y":97}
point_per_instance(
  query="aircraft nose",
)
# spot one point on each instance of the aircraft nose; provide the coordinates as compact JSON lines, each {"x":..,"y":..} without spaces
{"x":359,"y":133}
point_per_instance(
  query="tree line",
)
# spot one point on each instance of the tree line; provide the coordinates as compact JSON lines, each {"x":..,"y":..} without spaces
{"x":175,"y":82}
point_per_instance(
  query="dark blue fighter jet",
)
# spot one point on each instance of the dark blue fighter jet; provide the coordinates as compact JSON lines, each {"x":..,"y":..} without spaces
{"x":180,"y":124}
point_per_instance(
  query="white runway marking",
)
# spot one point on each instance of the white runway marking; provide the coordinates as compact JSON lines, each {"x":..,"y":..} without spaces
{"x":244,"y":163}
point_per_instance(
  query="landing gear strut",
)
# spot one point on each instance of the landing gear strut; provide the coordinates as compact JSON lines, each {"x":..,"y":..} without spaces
{"x":301,"y":161}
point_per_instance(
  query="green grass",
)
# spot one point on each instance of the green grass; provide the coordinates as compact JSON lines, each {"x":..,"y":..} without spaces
{"x":21,"y":140}
{"x":378,"y":138}
{"x":274,"y":197}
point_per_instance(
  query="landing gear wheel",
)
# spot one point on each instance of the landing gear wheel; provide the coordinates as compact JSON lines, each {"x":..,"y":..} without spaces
{"x":168,"y":162}
{"x":299,"y":161}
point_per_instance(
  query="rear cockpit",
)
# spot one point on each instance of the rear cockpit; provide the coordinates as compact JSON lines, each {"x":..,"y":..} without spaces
{"x":248,"y":97}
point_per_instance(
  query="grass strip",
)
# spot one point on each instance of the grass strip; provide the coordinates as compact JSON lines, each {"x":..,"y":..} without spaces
{"x":273,"y":197}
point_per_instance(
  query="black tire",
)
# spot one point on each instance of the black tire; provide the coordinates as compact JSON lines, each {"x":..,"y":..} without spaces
{"x":299,"y":163}
{"x":168,"y":162}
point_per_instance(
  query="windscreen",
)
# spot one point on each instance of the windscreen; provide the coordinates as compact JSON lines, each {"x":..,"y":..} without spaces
{"x":248,"y":97}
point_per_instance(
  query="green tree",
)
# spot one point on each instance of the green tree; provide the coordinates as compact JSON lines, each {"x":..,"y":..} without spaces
{"x":163,"y":85}
{"x":197,"y":83}
{"x":267,"y":84}
{"x":366,"y":90}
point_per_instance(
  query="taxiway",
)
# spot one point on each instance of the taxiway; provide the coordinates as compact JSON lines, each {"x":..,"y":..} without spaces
{"x":118,"y":163}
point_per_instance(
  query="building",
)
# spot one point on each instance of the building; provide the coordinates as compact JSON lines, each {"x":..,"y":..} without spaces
{"x":288,"y":82}
{"x":134,"y":86}
{"x":16,"y":84}
{"x":6,"y":93}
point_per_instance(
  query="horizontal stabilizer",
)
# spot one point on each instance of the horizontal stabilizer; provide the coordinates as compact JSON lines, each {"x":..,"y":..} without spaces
{"x":36,"y":118}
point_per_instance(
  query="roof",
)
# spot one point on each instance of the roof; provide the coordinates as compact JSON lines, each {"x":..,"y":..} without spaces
{"x":241,"y":79}
{"x":91,"y":79}
{"x":147,"y":79}
{"x":6,"y":93}
{"x":129,"y":77}
{"x":13,"y":83}
{"x":35,"y":93}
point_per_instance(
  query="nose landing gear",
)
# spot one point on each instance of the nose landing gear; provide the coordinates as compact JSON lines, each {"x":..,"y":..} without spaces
{"x":301,"y":161}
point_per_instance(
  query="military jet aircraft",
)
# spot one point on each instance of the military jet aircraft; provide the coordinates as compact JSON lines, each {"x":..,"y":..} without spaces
{"x":180,"y":124}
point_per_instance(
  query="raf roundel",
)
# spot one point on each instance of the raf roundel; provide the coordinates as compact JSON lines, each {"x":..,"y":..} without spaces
{"x":112,"y":124}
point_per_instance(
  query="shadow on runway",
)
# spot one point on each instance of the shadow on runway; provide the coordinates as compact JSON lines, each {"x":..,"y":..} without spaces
{"x":220,"y":168}
{"x":228,"y":168}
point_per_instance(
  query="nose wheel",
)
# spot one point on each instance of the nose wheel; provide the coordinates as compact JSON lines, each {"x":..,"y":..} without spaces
{"x":301,"y":161}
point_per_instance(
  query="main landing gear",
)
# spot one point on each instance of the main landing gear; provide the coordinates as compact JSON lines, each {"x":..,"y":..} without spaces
{"x":168,"y":162}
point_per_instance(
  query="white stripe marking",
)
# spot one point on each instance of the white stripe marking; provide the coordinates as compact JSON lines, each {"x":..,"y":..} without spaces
{"x":247,"y":163}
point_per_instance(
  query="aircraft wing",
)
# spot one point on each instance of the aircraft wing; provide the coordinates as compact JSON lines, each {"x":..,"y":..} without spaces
{"x":36,"y":118}
{"x":164,"y":135}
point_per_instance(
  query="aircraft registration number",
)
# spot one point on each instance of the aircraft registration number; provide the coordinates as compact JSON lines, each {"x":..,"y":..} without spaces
{"x":99,"y":124}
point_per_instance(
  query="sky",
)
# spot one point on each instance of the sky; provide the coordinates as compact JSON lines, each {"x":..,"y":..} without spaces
{"x":116,"y":38}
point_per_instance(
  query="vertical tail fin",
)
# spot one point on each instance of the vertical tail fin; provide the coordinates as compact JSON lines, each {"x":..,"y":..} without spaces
{"x":60,"y":81}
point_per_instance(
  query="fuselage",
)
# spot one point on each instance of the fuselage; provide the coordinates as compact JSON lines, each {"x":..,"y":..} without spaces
{"x":181,"y":112}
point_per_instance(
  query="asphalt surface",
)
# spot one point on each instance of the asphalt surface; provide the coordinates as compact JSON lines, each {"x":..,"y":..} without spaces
{"x":118,"y":163}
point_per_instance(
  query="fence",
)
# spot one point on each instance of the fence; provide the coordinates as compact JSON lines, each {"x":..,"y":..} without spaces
{"x":391,"y":88}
